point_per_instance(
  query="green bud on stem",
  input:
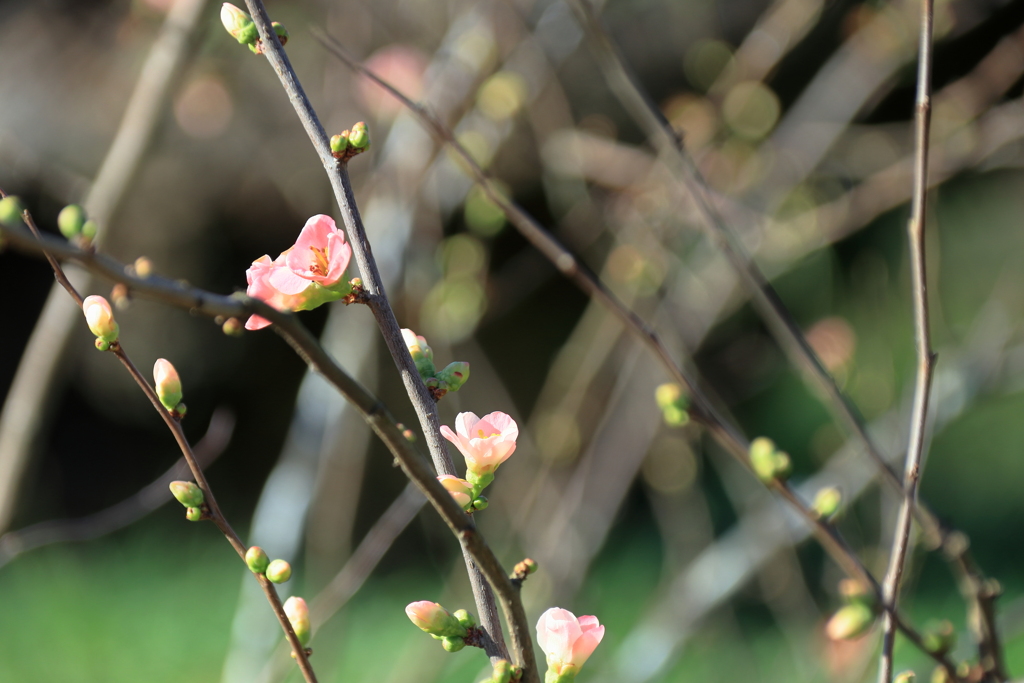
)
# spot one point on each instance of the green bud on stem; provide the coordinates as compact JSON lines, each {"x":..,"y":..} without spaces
{"x":279,"y":571}
{"x":187,"y":493}
{"x":70,"y":220}
{"x":256,"y":559}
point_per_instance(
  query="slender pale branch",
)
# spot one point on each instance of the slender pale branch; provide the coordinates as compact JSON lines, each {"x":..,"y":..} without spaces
{"x":423,"y":403}
{"x":702,"y":410}
{"x":922,"y":334}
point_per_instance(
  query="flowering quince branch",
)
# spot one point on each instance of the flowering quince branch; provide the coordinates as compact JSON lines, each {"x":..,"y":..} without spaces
{"x":199,"y":498}
{"x":180,"y":295}
{"x":422,"y":398}
{"x":697,"y":406}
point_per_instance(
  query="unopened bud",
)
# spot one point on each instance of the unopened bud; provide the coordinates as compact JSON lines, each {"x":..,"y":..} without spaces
{"x":673,"y":403}
{"x":281,"y":31}
{"x":525,"y":567}
{"x":168,"y":385}
{"x":502,"y":672}
{"x":233,"y":327}
{"x":339,"y":143}
{"x":279,"y":571}
{"x":187,"y":493}
{"x":256,"y":559}
{"x":939,"y":636}
{"x":119,"y":295}
{"x":89,"y":230}
{"x":70,"y":220}
{"x":465,"y":618}
{"x":940,"y":675}
{"x":480,"y":503}
{"x":855,"y":590}
{"x":10,"y":211}
{"x":143,"y":267}
{"x":453,"y":644}
{"x":434,"y":619}
{"x":100,"y":318}
{"x":180,"y":410}
{"x":194,"y":514}
{"x":460,"y":489}
{"x":768,"y":463}
{"x":359,"y":137}
{"x":904,"y":677}
{"x":102,"y":345}
{"x":239,"y":24}
{"x":454,"y":375}
{"x":298,"y":616}
{"x":422,"y":354}
{"x":850,"y":621}
{"x":827,"y":502}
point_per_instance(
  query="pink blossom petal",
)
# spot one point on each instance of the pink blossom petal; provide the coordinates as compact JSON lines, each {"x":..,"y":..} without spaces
{"x":585,"y":645}
{"x":287,"y":282}
{"x":465,"y":422}
{"x":255,"y":322}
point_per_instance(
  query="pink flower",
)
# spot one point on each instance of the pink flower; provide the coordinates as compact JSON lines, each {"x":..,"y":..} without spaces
{"x":461,"y":490}
{"x":485,"y":442}
{"x":566,"y":640}
{"x":319,"y":257}
{"x":259,"y":278}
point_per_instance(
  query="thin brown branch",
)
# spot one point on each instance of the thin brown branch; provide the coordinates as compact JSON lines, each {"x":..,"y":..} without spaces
{"x":423,"y":403}
{"x":181,"y":295}
{"x":702,"y":410}
{"x":922,"y":334}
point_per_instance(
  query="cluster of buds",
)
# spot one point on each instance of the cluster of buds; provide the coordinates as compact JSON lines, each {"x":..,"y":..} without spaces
{"x":168,"y":387}
{"x":349,"y":143}
{"x":769,"y":463}
{"x":191,"y":496}
{"x":258,"y":562}
{"x":858,"y":614}
{"x":567,"y":641}
{"x":522,"y":569}
{"x":242,"y":28}
{"x":451,"y":629}
{"x":674,"y":404}
{"x":75,"y":226}
{"x":439,"y":382}
{"x":100,"y":318}
{"x":485,"y":442}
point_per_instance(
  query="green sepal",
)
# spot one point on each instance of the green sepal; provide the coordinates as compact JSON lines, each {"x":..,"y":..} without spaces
{"x":479,"y":481}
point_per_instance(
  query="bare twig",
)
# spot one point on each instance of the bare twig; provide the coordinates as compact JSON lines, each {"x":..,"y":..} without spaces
{"x":424,"y":404}
{"x":24,"y":410}
{"x":129,"y":510}
{"x":181,"y":295}
{"x":922,"y":334}
{"x":702,"y":409}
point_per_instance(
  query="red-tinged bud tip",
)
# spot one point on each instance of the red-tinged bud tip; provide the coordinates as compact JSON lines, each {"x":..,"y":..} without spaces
{"x":279,"y":571}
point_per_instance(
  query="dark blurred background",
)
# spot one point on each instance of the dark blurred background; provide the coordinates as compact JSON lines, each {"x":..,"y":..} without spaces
{"x":798,"y":112}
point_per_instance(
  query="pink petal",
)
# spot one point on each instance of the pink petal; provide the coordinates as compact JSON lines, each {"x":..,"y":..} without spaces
{"x":557,"y":629}
{"x":588,"y":622}
{"x":464,"y":422}
{"x":315,"y":233}
{"x":339,"y":253}
{"x":585,"y":645}
{"x":255,"y":322}
{"x":504,"y":424}
{"x":287,"y":281}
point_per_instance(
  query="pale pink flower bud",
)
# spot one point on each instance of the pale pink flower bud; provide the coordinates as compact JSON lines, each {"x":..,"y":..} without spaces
{"x":168,"y":384}
{"x":238,"y":23}
{"x":461,"y":490}
{"x":100,"y":318}
{"x":298,"y":615}
{"x":434,"y":619}
{"x":422,"y":354}
{"x":485,"y":442}
{"x":567,"y":641}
